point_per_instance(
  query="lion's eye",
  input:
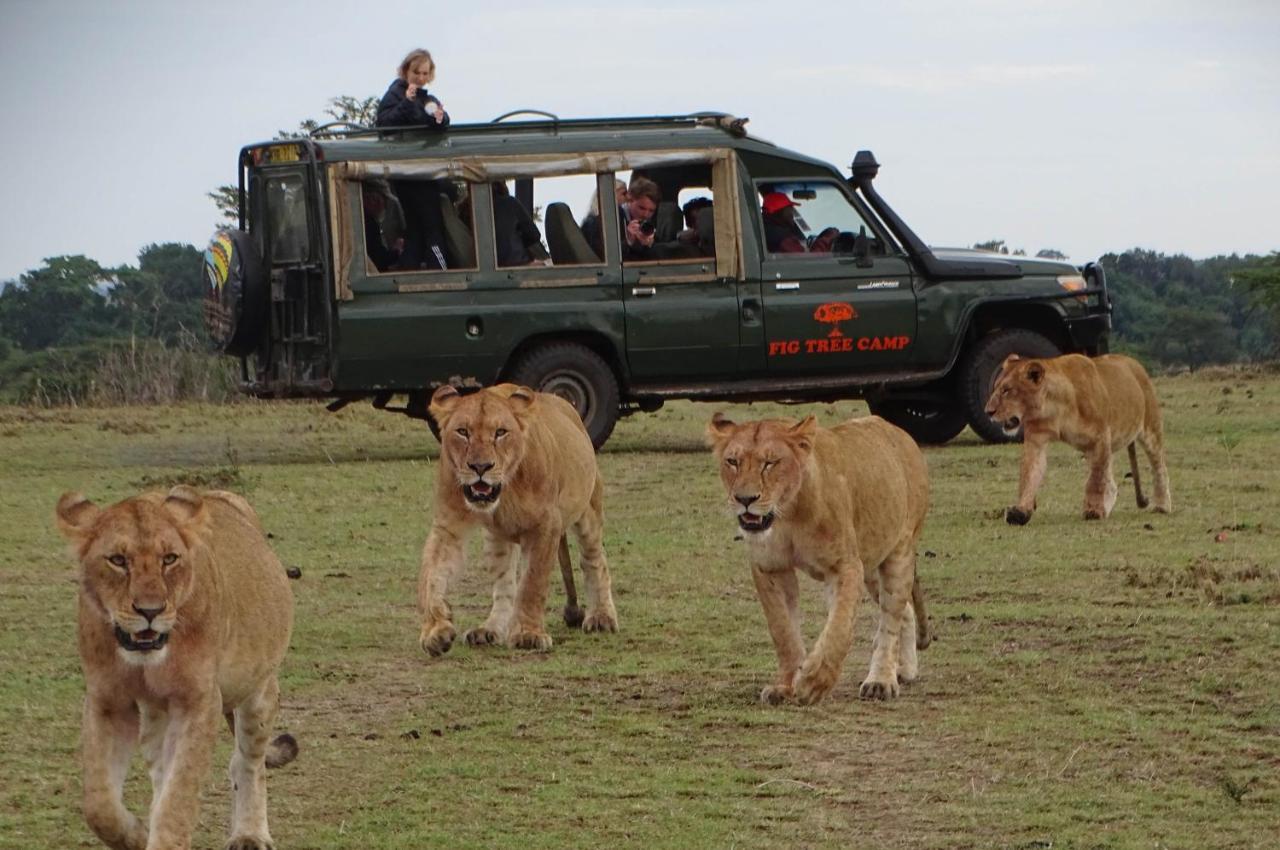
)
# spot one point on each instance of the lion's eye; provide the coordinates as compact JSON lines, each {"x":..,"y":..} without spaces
{"x":464,"y":433}
{"x":500,"y":433}
{"x":731,"y":462}
{"x":169,"y":559}
{"x":118,"y":561}
{"x":769,"y":463}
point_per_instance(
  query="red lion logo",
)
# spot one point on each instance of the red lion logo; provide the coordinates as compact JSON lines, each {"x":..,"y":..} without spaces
{"x":833,"y":313}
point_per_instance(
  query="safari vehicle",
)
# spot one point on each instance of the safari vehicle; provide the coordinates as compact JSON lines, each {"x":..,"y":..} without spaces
{"x":709,"y":314}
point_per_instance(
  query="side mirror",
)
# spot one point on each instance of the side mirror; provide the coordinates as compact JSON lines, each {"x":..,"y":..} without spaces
{"x":862,"y":249}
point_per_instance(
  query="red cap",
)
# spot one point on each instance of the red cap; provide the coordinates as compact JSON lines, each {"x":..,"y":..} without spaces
{"x":775,"y":201}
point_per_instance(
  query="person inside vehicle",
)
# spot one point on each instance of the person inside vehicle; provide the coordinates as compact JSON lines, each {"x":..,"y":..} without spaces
{"x":783,"y":234}
{"x":383,"y":253}
{"x":690,"y":236}
{"x":635,"y":221}
{"x":408,"y":104}
{"x":516,"y":238}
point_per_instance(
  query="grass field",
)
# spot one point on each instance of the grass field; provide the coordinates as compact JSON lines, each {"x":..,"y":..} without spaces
{"x":1093,"y":685}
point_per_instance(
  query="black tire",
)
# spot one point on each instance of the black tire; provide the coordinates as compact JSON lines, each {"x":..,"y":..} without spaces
{"x":235,"y":298}
{"x":579,"y":376}
{"x":978,"y":373}
{"x":930,"y":423}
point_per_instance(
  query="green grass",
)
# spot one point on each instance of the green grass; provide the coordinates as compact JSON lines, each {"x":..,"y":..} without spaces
{"x":1093,"y":685}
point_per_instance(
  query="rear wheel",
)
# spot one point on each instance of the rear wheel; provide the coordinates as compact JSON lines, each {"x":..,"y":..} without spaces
{"x":578,"y":375}
{"x":928,"y":422}
{"x":978,"y":374}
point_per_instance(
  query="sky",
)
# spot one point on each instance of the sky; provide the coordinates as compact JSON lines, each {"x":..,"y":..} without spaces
{"x":1086,"y":127}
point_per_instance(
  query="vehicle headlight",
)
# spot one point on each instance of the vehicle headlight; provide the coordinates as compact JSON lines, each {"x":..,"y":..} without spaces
{"x":1074,"y":283}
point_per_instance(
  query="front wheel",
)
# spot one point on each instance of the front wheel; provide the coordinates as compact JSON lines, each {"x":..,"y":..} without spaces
{"x":978,"y":375}
{"x":578,"y":375}
{"x":928,"y":422}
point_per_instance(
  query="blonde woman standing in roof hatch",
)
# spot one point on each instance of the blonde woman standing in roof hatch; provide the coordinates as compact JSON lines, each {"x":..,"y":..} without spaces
{"x":408,"y":104}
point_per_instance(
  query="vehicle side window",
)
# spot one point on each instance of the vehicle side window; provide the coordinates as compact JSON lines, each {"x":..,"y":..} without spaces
{"x":286,"y":218}
{"x":418,"y":225}
{"x":812,"y":218}
{"x":535,"y":221}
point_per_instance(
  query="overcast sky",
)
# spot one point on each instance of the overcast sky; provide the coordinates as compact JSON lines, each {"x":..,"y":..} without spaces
{"x":1083,"y":126}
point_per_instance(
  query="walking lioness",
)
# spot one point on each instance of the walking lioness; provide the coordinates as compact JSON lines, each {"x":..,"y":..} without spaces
{"x":518,"y":463}
{"x":1099,"y":406}
{"x":845,"y":505}
{"x":185,"y":616}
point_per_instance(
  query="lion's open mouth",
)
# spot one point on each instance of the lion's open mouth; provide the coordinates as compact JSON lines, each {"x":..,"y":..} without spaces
{"x":481,"y":492}
{"x":755,"y":522}
{"x":147,"y":640}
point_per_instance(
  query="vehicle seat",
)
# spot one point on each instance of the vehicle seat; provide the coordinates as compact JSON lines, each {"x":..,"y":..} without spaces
{"x":564,"y":237}
{"x":458,"y":241}
{"x":706,"y":219}
{"x":668,"y":221}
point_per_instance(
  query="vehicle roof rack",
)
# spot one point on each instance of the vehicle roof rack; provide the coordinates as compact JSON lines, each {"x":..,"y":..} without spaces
{"x":731,"y":124}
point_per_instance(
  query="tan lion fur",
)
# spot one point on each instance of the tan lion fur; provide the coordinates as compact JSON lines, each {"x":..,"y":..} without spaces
{"x":224,"y":600}
{"x":846,"y":506}
{"x":1099,"y":406}
{"x":534,"y":447}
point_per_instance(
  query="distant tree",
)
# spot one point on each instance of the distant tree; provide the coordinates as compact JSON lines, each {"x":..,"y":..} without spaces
{"x":995,"y":246}
{"x":343,"y":108}
{"x":1050,"y":254}
{"x":1261,"y":279}
{"x":161,"y":298}
{"x":61,"y":303}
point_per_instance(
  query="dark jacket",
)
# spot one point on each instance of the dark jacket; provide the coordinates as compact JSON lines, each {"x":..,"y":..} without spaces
{"x":593,"y":229}
{"x":396,"y":110}
{"x":781,"y":237}
{"x":516,"y":238}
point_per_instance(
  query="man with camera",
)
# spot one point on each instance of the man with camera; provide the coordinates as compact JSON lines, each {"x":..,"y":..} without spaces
{"x":635,"y":220}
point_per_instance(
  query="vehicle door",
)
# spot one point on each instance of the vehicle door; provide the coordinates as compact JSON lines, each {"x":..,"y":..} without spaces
{"x":681,"y":298}
{"x":835,"y":298}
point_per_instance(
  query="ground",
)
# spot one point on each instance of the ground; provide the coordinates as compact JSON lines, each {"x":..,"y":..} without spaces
{"x":1093,"y":685}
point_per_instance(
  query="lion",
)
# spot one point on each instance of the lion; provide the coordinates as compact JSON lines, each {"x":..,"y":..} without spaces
{"x":518,"y":463}
{"x":1098,"y":406}
{"x":184,"y":616}
{"x":845,"y":505}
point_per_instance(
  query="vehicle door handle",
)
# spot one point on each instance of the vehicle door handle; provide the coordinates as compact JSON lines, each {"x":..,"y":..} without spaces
{"x":785,"y":287}
{"x":643,"y":291}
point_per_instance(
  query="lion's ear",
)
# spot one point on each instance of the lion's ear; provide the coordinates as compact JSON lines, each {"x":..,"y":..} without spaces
{"x":719,"y":429}
{"x":76,"y":514}
{"x":521,"y":398}
{"x":1035,"y":372}
{"x":802,"y":433}
{"x":443,"y":400}
{"x":185,"y":505}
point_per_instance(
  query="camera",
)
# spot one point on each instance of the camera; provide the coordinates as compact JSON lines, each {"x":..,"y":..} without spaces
{"x":647,"y":226}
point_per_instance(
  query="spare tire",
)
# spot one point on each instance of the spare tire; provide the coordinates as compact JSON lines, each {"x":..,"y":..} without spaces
{"x":235,"y":295}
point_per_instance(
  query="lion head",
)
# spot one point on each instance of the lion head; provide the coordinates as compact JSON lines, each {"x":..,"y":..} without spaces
{"x":136,"y":563}
{"x":762,"y":465}
{"x":482,"y":438}
{"x":1017,"y":394}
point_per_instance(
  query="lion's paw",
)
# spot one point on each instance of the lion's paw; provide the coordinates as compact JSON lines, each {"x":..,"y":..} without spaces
{"x":248,"y":842}
{"x":1015,"y":515}
{"x":811,"y":687}
{"x":878,"y":689}
{"x":1093,"y":513}
{"x":437,"y":640}
{"x":482,"y":636}
{"x":776,"y":694}
{"x":600,"y":621}
{"x":536,"y":641}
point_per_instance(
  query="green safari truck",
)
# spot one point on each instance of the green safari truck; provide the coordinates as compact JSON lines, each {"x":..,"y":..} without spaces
{"x":307,"y":291}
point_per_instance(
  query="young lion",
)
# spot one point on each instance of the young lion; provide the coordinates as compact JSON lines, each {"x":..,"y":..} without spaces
{"x":845,"y":505}
{"x":520,"y":464}
{"x":185,"y":615}
{"x":1098,"y":406}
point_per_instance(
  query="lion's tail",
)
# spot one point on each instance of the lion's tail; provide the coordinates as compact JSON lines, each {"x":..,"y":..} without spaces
{"x":923,"y":635}
{"x":573,"y":615}
{"x":282,"y":750}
